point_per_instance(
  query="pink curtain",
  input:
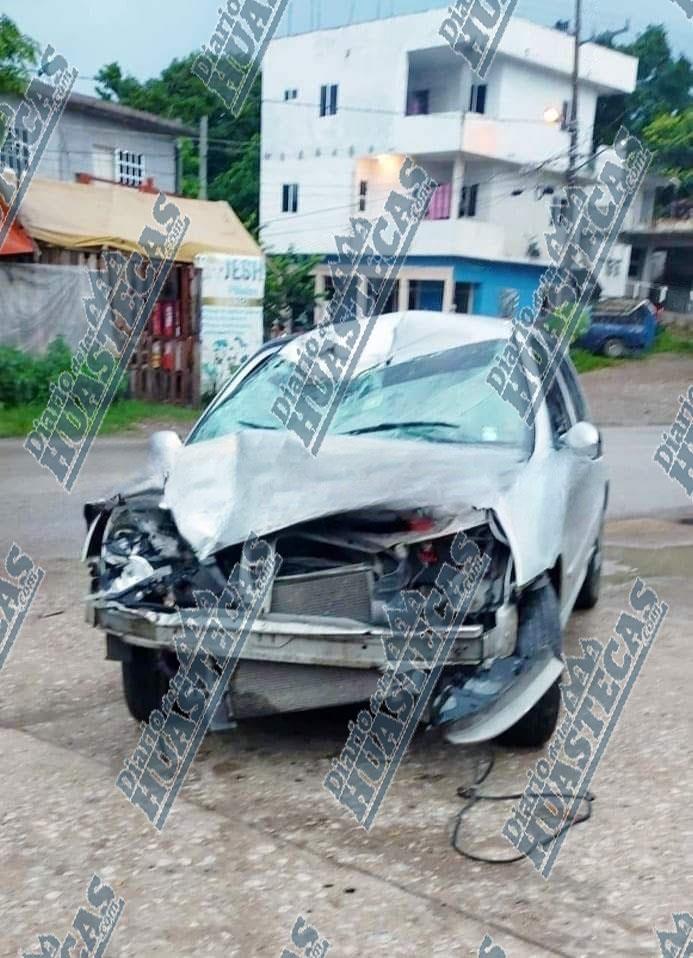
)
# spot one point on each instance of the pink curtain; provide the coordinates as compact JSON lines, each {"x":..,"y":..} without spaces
{"x":439,"y":207}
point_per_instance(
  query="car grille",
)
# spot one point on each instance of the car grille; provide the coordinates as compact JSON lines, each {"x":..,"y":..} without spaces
{"x":343,"y":593}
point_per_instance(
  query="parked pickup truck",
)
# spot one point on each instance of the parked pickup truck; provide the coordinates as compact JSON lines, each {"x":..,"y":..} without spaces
{"x":620,"y":326}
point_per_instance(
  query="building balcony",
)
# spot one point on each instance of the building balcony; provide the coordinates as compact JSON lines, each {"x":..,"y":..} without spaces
{"x":459,"y":237}
{"x":481,"y":136}
{"x":428,"y":133}
{"x":515,"y":142}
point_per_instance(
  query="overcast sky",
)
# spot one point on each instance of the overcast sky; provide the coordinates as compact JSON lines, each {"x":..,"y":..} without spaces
{"x":145,"y":35}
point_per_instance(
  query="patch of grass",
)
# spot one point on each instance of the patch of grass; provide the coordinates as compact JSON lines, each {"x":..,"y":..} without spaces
{"x":586,"y":362}
{"x":673,"y":342}
{"x":17,"y":421}
{"x":666,"y":342}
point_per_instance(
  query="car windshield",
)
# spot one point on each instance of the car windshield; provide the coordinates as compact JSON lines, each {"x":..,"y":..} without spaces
{"x":441,"y":398}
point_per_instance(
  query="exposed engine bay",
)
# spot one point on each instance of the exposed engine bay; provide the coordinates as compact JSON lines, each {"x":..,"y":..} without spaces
{"x":321,"y":636}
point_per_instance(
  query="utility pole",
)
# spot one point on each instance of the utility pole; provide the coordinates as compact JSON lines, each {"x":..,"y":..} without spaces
{"x":574,"y":125}
{"x":179,"y":166}
{"x":204,"y":129}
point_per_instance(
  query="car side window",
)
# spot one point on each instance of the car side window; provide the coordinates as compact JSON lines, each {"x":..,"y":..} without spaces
{"x":575,"y":392}
{"x":558,"y":410}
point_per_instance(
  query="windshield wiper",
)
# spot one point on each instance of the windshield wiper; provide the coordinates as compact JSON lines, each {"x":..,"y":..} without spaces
{"x":255,"y":425}
{"x":415,"y":424}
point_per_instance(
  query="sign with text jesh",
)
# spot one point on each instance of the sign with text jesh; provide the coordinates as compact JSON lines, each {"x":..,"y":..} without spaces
{"x":233,"y":288}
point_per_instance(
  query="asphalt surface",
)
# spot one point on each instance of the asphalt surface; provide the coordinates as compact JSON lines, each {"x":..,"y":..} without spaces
{"x":253,"y":840}
{"x":45,"y":520}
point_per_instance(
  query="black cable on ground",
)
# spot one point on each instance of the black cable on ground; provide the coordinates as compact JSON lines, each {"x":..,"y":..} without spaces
{"x":472,"y":795}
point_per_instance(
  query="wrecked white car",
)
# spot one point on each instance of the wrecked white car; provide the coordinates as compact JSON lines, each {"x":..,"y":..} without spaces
{"x":420,"y":448}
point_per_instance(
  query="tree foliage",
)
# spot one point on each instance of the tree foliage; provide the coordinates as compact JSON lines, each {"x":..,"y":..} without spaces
{"x":657,"y":109}
{"x":670,"y":136}
{"x":234,"y":143}
{"x":290,"y":287}
{"x":18,"y":53}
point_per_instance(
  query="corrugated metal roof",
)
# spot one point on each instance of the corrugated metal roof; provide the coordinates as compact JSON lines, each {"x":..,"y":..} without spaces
{"x":126,"y":115}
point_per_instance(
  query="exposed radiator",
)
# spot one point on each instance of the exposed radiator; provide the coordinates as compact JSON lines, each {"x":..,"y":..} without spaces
{"x":268,"y":688}
{"x":343,"y":593}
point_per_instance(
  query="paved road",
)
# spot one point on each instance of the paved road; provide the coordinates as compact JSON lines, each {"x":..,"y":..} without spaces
{"x":48,"y":522}
{"x":253,"y":840}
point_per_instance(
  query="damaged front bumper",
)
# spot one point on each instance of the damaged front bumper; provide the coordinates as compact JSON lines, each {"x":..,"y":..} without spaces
{"x":308,"y":640}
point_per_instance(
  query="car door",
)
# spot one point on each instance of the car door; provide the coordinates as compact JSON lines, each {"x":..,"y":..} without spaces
{"x":586,"y":488}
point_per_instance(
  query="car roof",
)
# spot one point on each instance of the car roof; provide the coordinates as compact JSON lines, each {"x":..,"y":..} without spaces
{"x":400,"y":337}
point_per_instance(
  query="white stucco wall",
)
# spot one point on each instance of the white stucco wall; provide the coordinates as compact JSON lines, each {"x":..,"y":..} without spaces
{"x":370,"y":62}
{"x":71,"y":148}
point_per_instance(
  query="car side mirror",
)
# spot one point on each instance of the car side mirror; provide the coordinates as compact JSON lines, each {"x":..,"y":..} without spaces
{"x":164,"y":448}
{"x":584,"y":440}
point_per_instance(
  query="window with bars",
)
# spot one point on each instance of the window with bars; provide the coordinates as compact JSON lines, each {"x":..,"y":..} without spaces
{"x":328,"y":99}
{"x":468,"y":200}
{"x":129,"y":168}
{"x":477,"y":100}
{"x":290,"y":198}
{"x":14,"y":153}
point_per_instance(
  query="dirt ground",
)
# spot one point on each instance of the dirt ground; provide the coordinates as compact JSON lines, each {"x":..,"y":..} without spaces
{"x":641,"y":393}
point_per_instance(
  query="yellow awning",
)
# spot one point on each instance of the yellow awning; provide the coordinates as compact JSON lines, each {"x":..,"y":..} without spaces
{"x":91,"y":216}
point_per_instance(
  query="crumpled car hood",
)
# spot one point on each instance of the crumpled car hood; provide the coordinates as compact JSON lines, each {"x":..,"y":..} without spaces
{"x":222,"y":490}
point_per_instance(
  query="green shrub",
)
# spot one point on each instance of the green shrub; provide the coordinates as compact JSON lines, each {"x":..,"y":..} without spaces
{"x":26,"y":379}
{"x":564,"y":317}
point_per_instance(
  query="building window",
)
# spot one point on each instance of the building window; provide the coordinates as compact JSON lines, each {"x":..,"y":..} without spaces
{"x":376,"y":290}
{"x":129,"y":168}
{"x":477,"y":100}
{"x":290,"y":198}
{"x":426,"y":294}
{"x":464,"y":297}
{"x":290,"y":94}
{"x":468,"y":200}
{"x":418,"y":103}
{"x":636,"y":261}
{"x":363,"y":195}
{"x":328,"y":100}
{"x":441,"y":203}
{"x":14,"y":153}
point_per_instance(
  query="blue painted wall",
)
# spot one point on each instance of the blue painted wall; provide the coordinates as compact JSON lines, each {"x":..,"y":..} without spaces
{"x":491,"y":279}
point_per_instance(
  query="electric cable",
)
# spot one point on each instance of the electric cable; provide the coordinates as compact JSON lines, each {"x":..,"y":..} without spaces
{"x":473,"y":796}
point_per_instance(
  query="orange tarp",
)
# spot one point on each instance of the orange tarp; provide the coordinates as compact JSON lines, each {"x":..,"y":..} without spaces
{"x":16,"y":240}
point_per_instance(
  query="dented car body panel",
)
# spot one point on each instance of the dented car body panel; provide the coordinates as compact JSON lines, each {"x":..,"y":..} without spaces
{"x":366,"y":518}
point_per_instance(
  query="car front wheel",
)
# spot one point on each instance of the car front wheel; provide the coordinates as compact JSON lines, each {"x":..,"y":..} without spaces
{"x":614,"y":348}
{"x":540,"y":625}
{"x":589,"y":593}
{"x":144,"y":683}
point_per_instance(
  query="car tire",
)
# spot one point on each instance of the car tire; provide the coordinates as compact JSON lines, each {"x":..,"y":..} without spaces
{"x":536,"y":727}
{"x":144,"y":683}
{"x":614,"y":348}
{"x":540,"y":619}
{"x":588,"y":596}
